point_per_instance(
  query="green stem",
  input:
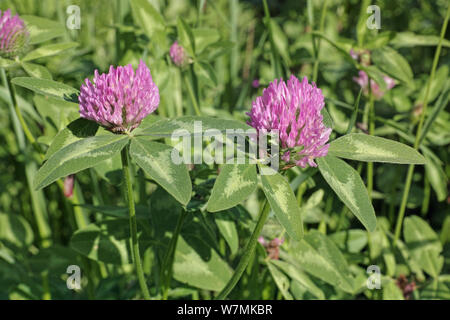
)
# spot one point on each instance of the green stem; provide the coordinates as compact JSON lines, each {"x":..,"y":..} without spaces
{"x":41,"y":220}
{"x":401,"y":212}
{"x":170,"y":255}
{"x":133,"y":224}
{"x":249,"y":249}
{"x":352,"y":122}
{"x":371,"y":132}
{"x":322,"y":24}
{"x":426,"y":196}
{"x":192,"y":95}
{"x":46,"y":286}
{"x":96,"y":186}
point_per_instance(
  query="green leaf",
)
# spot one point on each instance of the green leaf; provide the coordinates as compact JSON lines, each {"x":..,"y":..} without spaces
{"x":435,"y":290}
{"x":352,"y":240}
{"x":49,"y":50}
{"x":204,"y":38}
{"x":424,"y":245}
{"x":363,"y":147}
{"x":440,"y":104}
{"x":391,"y":291}
{"x":280,"y":41}
{"x":156,"y":160}
{"x":206,"y":72}
{"x":281,"y":280}
{"x":439,"y":82}
{"x":78,"y":156}
{"x":56,"y":113}
{"x":76,"y":130}
{"x":349,"y":187}
{"x":42,"y":30}
{"x":147,"y":17}
{"x":166,"y":127}
{"x":391,"y":62}
{"x":228,"y":230}
{"x":106,"y":243}
{"x":361,"y":26}
{"x":342,"y":47}
{"x":410,"y":39}
{"x":202,"y":268}
{"x":437,"y":177}
{"x":186,"y":36}
{"x":6,"y":63}
{"x":296,"y":274}
{"x":36,"y":71}
{"x":15,"y":230}
{"x":48,"y":88}
{"x":111,"y":170}
{"x":327,"y":120}
{"x":283,"y":202}
{"x":234,"y":184}
{"x":380,"y":40}
{"x":320,"y":257}
{"x":24,"y":104}
{"x":142,"y":212}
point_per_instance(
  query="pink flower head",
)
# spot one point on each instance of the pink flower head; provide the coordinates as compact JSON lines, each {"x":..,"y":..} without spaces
{"x":353,"y":54}
{"x":278,"y":242}
{"x":255,"y":83}
{"x":262,"y":241}
{"x":294,"y":109}
{"x":13,"y":35}
{"x":272,"y":247}
{"x":178,"y":55}
{"x":363,"y":81}
{"x":120,"y":99}
{"x":68,"y":185}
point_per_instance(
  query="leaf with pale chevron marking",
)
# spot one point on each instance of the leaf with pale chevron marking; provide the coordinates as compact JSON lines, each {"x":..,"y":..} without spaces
{"x":193,"y":268}
{"x":155,"y":159}
{"x":320,"y":257}
{"x":363,"y":147}
{"x":349,"y":187}
{"x":49,"y":50}
{"x":78,"y":156}
{"x":48,"y":88}
{"x":166,"y":127}
{"x":233,"y":185}
{"x":283,"y":202}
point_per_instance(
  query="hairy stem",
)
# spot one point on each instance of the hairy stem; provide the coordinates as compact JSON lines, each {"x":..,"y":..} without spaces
{"x":371,"y":132}
{"x":249,"y":249}
{"x":192,"y":95}
{"x":133,"y":224}
{"x":167,"y":269}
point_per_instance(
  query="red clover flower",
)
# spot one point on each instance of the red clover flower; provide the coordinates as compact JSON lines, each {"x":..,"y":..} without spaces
{"x":120,"y":99}
{"x":178,"y":55}
{"x":294,"y":109}
{"x":14,"y":35}
{"x":363,"y":81}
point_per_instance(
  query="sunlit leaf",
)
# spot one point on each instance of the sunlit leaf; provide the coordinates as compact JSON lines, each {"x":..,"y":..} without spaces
{"x":363,"y":147}
{"x":156,"y":159}
{"x":234,"y":184}
{"x":283,"y":202}
{"x":349,"y":187}
{"x":78,"y":156}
